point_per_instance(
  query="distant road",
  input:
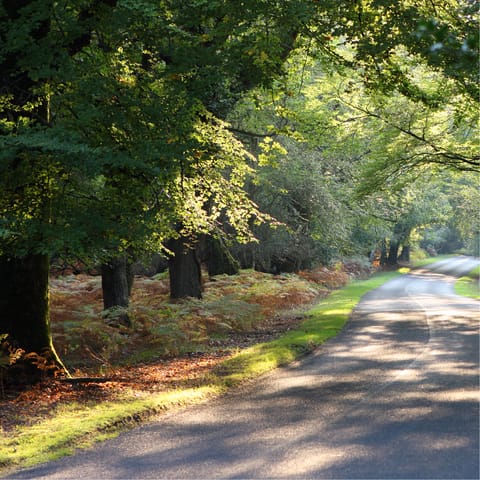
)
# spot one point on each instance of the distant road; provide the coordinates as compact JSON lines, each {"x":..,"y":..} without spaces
{"x":395,"y":395}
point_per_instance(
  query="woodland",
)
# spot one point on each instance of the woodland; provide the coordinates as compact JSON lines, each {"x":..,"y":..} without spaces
{"x":174,"y":172}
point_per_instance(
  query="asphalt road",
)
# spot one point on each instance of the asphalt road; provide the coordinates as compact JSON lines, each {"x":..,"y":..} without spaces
{"x":395,"y":395}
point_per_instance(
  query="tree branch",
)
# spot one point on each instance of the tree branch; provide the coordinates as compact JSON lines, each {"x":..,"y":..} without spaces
{"x":457,"y":160}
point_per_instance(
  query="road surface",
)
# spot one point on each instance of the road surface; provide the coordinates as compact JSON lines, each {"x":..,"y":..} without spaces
{"x":395,"y":395}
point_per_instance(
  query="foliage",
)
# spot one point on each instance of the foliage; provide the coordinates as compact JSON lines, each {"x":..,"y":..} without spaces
{"x":330,"y":279}
{"x":151,"y":100}
{"x":16,"y":362}
{"x":78,"y":425}
{"x":397,"y":137}
{"x":209,"y":196}
{"x":443,"y":35}
{"x":128,"y":118}
{"x":8,"y":357}
{"x":345,"y":168}
{"x":238,"y":303}
{"x":303,"y":180}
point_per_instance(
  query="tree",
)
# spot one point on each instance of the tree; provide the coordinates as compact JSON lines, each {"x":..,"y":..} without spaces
{"x":424,"y":52}
{"x":230,"y":51}
{"x":101,"y":105}
{"x":462,"y":228}
{"x":62,"y":161}
{"x":358,"y":140}
{"x":112,"y":131}
{"x":26,"y":191}
{"x":184,"y":269}
{"x":117,"y":281}
{"x":219,"y":258}
{"x":306,"y":170}
{"x":441,"y":34}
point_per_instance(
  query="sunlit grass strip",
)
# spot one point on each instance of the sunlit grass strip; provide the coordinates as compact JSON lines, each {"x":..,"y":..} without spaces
{"x":429,"y":260}
{"x":323,"y":322}
{"x":79,"y":425}
{"x":469,"y":286}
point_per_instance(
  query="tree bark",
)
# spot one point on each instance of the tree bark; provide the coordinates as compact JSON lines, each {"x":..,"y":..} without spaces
{"x":219,"y":259}
{"x":115,"y":283}
{"x":184,"y":269}
{"x":393,"y":252}
{"x":383,"y":253}
{"x":405,"y":254}
{"x":24,"y":316}
{"x":116,"y":287}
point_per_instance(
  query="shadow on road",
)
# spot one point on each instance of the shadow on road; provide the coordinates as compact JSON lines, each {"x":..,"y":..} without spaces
{"x":395,"y":395}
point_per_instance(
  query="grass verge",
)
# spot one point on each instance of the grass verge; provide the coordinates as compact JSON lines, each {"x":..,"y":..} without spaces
{"x":469,"y":286}
{"x":429,"y":260}
{"x":323,"y":321}
{"x":79,"y":426}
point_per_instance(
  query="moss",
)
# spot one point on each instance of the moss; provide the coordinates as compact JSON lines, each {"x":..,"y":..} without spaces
{"x":79,"y":425}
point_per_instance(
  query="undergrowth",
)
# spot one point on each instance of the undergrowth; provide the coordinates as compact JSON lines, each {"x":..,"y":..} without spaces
{"x":162,"y":328}
{"x":80,"y":424}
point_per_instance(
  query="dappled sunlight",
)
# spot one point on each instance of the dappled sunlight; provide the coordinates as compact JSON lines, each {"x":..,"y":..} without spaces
{"x":408,"y":375}
{"x":376,"y":329}
{"x":304,"y":460}
{"x":398,"y":386}
{"x":338,"y":311}
{"x":460,"y":395}
{"x":446,"y":443}
{"x":407,"y":413}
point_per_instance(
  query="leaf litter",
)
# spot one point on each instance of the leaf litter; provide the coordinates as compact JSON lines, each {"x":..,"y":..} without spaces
{"x":76,"y":312}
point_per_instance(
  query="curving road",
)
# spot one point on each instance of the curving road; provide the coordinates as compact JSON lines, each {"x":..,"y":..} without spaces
{"x":395,"y":395}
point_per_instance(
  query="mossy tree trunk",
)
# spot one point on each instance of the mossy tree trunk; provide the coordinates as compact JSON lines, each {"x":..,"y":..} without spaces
{"x":25,"y":316}
{"x":405,"y":255}
{"x":383,"y":253}
{"x":115,"y":283}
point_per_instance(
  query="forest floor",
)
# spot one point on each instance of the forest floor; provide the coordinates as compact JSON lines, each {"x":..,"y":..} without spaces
{"x":168,"y":344}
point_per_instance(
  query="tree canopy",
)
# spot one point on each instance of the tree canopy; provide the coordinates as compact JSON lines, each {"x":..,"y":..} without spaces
{"x":125,"y":124}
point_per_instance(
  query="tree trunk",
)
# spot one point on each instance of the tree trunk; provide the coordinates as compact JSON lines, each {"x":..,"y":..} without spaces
{"x":219,"y":259}
{"x":405,"y":255}
{"x":24,"y":316}
{"x":383,"y":253}
{"x":393,"y":252}
{"x":116,"y":286}
{"x":184,"y":269}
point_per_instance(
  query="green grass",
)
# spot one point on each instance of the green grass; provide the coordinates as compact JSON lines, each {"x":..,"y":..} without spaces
{"x":429,"y":260}
{"x":81,"y":425}
{"x":469,"y":286}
